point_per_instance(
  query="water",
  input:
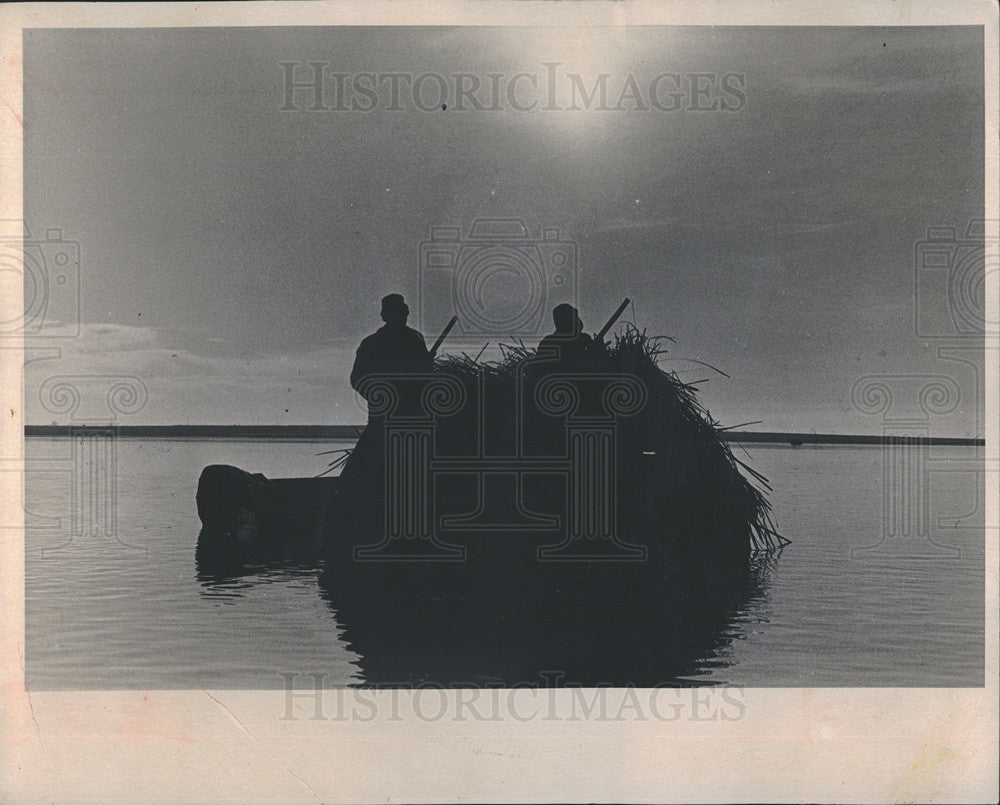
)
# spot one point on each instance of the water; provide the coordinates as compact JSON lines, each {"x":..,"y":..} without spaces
{"x":849,"y":603}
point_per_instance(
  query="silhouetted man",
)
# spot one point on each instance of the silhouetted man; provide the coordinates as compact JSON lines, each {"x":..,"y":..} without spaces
{"x":569,"y":343}
{"x":393,"y":349}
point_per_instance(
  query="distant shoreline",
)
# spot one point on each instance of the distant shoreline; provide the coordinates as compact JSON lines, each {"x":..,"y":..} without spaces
{"x":348,"y":432}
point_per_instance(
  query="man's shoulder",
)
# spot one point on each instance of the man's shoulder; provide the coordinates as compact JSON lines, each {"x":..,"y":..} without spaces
{"x":414,"y":335}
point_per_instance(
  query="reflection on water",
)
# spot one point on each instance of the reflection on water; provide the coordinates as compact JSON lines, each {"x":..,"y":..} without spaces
{"x":226,"y":588}
{"x":641,"y":640}
{"x":140,"y":612}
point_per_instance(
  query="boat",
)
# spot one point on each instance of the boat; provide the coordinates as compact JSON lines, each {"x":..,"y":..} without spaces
{"x":501,"y":606}
{"x":518,"y":481}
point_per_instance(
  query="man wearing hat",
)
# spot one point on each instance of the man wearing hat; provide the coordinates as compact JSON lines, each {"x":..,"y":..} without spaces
{"x":392,"y":349}
{"x":569,"y":343}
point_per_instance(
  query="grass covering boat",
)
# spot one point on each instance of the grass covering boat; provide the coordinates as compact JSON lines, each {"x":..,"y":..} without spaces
{"x":520,"y":479}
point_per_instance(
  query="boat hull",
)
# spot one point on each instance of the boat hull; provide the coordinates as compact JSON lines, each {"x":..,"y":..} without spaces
{"x":249,"y":519}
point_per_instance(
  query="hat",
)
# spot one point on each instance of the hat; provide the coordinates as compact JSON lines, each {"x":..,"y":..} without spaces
{"x":566,"y":317}
{"x":394,"y":303}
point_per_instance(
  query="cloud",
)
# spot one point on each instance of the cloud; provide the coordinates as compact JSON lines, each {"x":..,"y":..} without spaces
{"x":187,"y":386}
{"x":880,"y":62}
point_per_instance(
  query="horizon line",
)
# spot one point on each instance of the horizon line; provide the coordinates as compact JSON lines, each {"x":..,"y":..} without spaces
{"x":794,"y":438}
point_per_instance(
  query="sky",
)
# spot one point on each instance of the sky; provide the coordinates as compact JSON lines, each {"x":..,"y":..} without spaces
{"x":233,"y":252}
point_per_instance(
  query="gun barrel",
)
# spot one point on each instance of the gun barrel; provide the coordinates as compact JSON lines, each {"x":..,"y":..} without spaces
{"x":614,"y":317}
{"x":443,"y":336}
